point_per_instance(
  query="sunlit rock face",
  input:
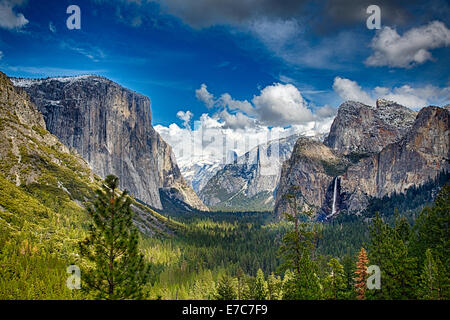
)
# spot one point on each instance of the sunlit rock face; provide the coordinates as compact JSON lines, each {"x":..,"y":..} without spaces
{"x":374,"y":151}
{"x":110,"y":127}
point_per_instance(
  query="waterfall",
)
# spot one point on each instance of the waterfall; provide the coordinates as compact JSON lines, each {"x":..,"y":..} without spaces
{"x":333,"y":210}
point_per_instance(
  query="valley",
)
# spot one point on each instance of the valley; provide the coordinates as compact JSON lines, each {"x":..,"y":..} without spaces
{"x":61,"y":137}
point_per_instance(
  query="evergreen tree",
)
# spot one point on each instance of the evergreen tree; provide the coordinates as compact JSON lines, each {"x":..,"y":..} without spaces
{"x":389,"y":251}
{"x":349,"y":271}
{"x":258,"y":287}
{"x":118,"y":269}
{"x":432,"y":231}
{"x":298,"y":246}
{"x":430,"y":286}
{"x":361,"y":274}
{"x":335,"y":285}
{"x":225,"y":289}
{"x":274,"y":287}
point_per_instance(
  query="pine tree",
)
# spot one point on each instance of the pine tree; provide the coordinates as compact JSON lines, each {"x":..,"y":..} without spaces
{"x":349,"y":270}
{"x":430,"y":286}
{"x":335,"y":282}
{"x":297,"y":251}
{"x":240,"y":274}
{"x":118,"y":270}
{"x":225,"y":289}
{"x":361,"y":272}
{"x":389,"y":250}
{"x":432,"y":231}
{"x":274,"y":287}
{"x":258,"y":287}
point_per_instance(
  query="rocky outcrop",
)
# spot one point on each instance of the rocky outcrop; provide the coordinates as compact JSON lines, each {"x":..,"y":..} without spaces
{"x":309,"y":175}
{"x":250,"y":182}
{"x":28,"y":152}
{"x":359,"y":129}
{"x":412,"y":161}
{"x":110,"y":127}
{"x":393,"y":154}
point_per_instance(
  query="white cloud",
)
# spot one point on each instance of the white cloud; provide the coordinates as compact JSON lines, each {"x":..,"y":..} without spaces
{"x":275,"y":33}
{"x":212,"y":139}
{"x":245,"y":106}
{"x":413,"y":48}
{"x":350,"y":90}
{"x":281,"y":105}
{"x":411,"y":97}
{"x":276,"y":105}
{"x":203,"y":95}
{"x":10,"y":19}
{"x":237,"y":120}
{"x":185,"y":117}
{"x":239,"y":125}
{"x":1,"y":55}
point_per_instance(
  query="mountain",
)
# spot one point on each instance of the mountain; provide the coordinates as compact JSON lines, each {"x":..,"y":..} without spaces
{"x":249,"y":182}
{"x":370,"y":152}
{"x":418,"y":157}
{"x":198,"y":174}
{"x":359,"y":129}
{"x":309,"y":174}
{"x":45,"y":186}
{"x":110,"y":127}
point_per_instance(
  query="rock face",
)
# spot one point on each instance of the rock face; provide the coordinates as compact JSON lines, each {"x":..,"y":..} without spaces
{"x":110,"y":127}
{"x":360,"y":129}
{"x":309,"y":174}
{"x":392,"y":152}
{"x":250,"y":182}
{"x":419,"y":156}
{"x":28,"y":152}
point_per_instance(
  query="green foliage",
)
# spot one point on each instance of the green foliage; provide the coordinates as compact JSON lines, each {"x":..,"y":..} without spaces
{"x":119,"y":270}
{"x":297,"y":250}
{"x":430,"y":284}
{"x":226,"y":289}
{"x":335,"y":286}
{"x":388,"y":249}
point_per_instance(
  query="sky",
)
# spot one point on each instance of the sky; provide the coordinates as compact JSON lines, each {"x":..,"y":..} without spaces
{"x":246,"y":66}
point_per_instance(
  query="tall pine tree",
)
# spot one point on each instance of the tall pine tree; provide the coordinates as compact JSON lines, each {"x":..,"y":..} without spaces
{"x":361,"y":274}
{"x":116,"y":268}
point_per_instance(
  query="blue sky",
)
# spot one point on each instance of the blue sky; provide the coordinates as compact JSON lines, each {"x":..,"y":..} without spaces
{"x":166,"y":49}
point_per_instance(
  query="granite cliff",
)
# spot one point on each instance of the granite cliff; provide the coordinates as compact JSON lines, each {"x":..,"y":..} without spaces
{"x":370,"y":152}
{"x":110,"y":127}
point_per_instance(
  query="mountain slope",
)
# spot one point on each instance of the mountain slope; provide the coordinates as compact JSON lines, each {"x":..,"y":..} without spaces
{"x":352,"y":171}
{"x":110,"y":127}
{"x":250,"y":182}
{"x":360,"y":129}
{"x":421,"y":155}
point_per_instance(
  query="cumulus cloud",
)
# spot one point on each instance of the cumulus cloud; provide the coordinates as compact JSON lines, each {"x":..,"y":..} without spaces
{"x":203,"y":95}
{"x":281,"y":105}
{"x":411,"y":97}
{"x":185,"y":117}
{"x":237,"y":126}
{"x":275,"y":105}
{"x":9,"y":19}
{"x":227,"y":101}
{"x":410,"y":49}
{"x":350,"y":90}
{"x":212,"y":139}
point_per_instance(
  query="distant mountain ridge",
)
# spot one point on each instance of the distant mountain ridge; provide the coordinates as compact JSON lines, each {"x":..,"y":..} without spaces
{"x":110,"y":127}
{"x":250,"y":182}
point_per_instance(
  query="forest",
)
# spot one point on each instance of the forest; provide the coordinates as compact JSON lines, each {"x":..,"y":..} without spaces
{"x":224,"y":255}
